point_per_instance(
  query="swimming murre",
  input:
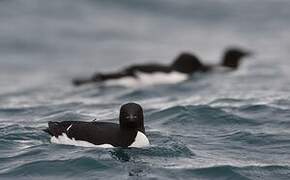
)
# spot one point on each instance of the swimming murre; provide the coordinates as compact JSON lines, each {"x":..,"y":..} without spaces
{"x":130,"y":131}
{"x":182,"y":67}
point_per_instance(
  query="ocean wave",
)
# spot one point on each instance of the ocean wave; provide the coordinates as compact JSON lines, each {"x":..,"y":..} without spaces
{"x":199,"y":114}
{"x":235,"y":172}
{"x":56,"y":167}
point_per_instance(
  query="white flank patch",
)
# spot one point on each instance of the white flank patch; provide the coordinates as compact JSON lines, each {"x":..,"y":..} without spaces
{"x":144,"y":79}
{"x":63,"y":139}
{"x":140,"y":141}
{"x":69,"y":127}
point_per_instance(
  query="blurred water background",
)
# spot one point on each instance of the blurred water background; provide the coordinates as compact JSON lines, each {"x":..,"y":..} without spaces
{"x":217,"y":126}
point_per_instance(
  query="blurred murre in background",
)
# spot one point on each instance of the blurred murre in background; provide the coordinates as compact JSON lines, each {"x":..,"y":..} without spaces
{"x":184,"y":65}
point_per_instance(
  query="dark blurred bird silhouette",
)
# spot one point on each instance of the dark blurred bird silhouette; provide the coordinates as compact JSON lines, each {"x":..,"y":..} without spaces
{"x":186,"y":63}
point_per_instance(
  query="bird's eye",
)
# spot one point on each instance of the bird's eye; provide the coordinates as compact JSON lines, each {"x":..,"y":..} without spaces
{"x":133,"y":117}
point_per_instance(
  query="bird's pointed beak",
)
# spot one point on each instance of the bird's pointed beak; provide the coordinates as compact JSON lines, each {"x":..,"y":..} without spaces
{"x":131,"y":118}
{"x":248,"y":53}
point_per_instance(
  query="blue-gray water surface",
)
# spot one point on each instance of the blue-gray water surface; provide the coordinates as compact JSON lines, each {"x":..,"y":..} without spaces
{"x":217,"y":126}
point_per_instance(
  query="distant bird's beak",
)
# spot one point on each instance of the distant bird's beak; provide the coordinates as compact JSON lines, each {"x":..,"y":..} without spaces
{"x":248,"y":53}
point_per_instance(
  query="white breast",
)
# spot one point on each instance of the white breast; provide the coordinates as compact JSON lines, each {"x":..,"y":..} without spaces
{"x":140,"y":141}
{"x":64,"y":139}
{"x":144,"y":79}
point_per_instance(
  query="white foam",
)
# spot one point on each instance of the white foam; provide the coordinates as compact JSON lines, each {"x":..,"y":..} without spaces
{"x":64,"y":139}
{"x":144,"y":79}
{"x":140,"y":141}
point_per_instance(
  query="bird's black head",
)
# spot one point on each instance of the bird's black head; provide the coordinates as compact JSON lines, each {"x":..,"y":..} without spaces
{"x":187,"y":63}
{"x":233,"y":56}
{"x":131,"y":117}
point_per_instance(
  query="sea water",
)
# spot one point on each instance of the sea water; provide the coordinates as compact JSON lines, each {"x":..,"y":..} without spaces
{"x":232,"y":125}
